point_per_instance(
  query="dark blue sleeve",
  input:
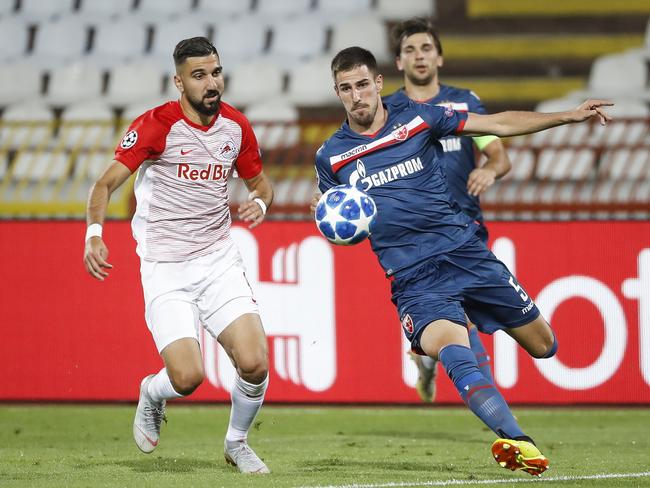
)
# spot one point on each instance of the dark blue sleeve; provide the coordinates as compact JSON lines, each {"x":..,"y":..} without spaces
{"x":442,"y":121}
{"x":475,"y":105}
{"x":324,"y":173}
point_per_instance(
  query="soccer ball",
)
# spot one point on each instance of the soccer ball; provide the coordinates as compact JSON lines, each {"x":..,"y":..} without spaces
{"x":344,"y":215}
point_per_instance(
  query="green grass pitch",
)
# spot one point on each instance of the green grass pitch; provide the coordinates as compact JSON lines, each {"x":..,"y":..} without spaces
{"x":91,"y":446}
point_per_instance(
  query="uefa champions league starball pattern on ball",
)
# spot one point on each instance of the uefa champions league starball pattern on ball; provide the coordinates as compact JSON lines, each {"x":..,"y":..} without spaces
{"x":344,"y":215}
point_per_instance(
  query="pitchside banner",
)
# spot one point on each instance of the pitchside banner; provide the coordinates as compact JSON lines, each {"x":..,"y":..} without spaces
{"x":333,"y":334}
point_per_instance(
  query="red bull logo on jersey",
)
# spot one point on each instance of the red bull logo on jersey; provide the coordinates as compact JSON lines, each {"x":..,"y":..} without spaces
{"x":213,"y":172}
{"x":228,"y":150}
{"x":392,"y":173}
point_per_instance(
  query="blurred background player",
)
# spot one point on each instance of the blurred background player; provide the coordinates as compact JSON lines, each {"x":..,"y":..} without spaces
{"x":192,"y":272}
{"x":418,"y":54}
{"x":439,"y":269}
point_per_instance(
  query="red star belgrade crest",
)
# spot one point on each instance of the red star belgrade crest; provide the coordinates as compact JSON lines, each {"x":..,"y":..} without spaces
{"x":407,"y":323}
{"x":401,"y":133}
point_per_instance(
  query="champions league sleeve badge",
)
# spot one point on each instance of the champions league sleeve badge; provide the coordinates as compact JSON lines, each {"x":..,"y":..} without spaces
{"x":129,"y":140}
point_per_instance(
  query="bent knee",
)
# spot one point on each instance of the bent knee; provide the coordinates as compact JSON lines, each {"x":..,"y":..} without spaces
{"x":185,"y":383}
{"x":545,"y":348}
{"x":254,"y":367}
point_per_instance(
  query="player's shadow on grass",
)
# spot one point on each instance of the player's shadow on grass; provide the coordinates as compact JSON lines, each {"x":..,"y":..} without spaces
{"x":168,"y":465}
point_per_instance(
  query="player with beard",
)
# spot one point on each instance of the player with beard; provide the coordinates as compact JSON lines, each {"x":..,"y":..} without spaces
{"x":418,"y":54}
{"x":192,"y":272}
{"x":438,"y":268}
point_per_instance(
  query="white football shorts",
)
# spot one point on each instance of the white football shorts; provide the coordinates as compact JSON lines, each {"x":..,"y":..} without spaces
{"x":209,"y":291}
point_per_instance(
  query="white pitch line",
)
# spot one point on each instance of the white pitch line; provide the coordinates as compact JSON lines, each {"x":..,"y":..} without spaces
{"x":454,"y":482}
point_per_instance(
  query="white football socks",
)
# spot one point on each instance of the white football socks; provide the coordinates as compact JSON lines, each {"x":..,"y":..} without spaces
{"x":247,"y":400}
{"x":160,"y":388}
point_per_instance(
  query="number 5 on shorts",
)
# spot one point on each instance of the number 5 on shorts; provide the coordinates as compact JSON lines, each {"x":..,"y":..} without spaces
{"x":518,"y":289}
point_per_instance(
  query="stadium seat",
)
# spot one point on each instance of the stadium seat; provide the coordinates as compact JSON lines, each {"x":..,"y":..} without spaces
{"x":14,"y":35}
{"x":87,"y":125}
{"x":27,"y":124}
{"x":311,"y":83}
{"x":39,"y":11}
{"x":133,"y":82}
{"x":287,"y":8}
{"x":293,"y":191}
{"x":90,"y":165}
{"x":118,"y":42}
{"x":158,"y":12}
{"x":311,"y":30}
{"x":97,"y":11}
{"x":523,"y":164}
{"x":566,"y":164}
{"x":36,"y":166}
{"x":170,"y":92}
{"x":625,"y":163}
{"x":72,"y":83}
{"x":365,"y":31}
{"x":247,"y":46}
{"x":4,"y":164}
{"x":60,"y":42}
{"x":19,"y":81}
{"x":7,"y":8}
{"x":274,"y":122}
{"x":223,"y":9}
{"x":405,"y":9}
{"x":244,"y":85}
{"x":339,"y":9}
{"x":134,"y":110}
{"x":167,"y":34}
{"x":618,"y":75}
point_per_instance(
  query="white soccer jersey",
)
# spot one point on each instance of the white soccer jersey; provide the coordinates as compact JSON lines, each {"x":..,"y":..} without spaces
{"x":182,"y":197}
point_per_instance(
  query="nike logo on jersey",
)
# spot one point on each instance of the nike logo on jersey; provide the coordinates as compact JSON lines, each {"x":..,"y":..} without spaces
{"x":183,"y":153}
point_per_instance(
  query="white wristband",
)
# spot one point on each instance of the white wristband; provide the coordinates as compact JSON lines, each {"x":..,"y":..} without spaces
{"x":93,"y":230}
{"x":261,"y":203}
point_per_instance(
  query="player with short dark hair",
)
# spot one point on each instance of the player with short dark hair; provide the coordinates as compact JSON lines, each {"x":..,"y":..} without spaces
{"x":439,"y":269}
{"x":192,"y":272}
{"x":418,"y":54}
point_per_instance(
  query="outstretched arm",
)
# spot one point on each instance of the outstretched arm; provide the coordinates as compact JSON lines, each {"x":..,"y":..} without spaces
{"x":96,"y":252}
{"x":259,"y":200}
{"x":505,"y":124}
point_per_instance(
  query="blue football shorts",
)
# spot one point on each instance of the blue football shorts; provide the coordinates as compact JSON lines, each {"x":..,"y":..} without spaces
{"x":468,"y":280}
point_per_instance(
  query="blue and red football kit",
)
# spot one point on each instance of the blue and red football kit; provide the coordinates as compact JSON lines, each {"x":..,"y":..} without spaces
{"x":424,"y":242}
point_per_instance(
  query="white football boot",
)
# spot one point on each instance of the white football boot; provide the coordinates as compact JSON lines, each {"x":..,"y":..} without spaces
{"x":239,"y":454}
{"x":148,"y":417}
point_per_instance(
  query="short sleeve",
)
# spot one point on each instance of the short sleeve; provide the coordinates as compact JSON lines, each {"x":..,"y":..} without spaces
{"x":324,"y":173}
{"x":475,"y":104}
{"x":477,"y":107}
{"x":249,"y":161}
{"x":144,"y":140}
{"x":442,"y":121}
